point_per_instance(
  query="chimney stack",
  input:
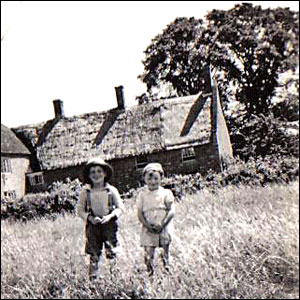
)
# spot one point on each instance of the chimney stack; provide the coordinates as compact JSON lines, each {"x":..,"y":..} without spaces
{"x":58,"y":108}
{"x":120,"y":97}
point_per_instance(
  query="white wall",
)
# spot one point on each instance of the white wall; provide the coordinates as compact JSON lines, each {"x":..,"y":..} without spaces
{"x":16,"y":179}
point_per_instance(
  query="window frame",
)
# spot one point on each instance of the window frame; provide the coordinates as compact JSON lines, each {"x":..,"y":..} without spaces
{"x":142,"y":164}
{"x":36,"y":178}
{"x":186,"y":156}
{"x":10,"y":194}
{"x":5,"y":165}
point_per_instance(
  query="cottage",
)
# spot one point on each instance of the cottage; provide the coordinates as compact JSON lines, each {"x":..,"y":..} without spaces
{"x":15,"y":163}
{"x":186,"y":135}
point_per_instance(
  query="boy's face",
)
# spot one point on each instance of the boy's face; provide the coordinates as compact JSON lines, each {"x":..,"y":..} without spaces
{"x":153,"y":180}
{"x":97,"y":174}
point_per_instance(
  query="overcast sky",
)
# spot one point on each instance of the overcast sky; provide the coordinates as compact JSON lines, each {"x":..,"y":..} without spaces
{"x":79,"y":51}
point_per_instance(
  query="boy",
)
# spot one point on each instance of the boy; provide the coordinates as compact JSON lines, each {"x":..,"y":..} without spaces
{"x":155,"y":209}
{"x":100,"y":206}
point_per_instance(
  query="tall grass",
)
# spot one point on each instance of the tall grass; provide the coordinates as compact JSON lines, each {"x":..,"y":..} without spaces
{"x":235,"y":243}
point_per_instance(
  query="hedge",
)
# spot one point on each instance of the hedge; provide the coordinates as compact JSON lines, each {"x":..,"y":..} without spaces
{"x":62,"y":197}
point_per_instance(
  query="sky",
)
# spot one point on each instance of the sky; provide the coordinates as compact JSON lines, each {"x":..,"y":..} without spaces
{"x":80,"y":51}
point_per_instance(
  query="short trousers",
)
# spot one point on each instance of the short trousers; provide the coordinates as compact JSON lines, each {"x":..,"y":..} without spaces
{"x":149,"y":239}
{"x":100,"y":235}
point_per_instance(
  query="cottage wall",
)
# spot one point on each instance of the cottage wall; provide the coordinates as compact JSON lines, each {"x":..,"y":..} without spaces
{"x":15,"y":180}
{"x":205,"y":159}
{"x":56,"y":175}
{"x":126,"y":174}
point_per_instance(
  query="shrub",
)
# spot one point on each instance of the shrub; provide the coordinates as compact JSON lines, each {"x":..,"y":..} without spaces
{"x":254,"y":172}
{"x":261,"y":136}
{"x":62,"y":197}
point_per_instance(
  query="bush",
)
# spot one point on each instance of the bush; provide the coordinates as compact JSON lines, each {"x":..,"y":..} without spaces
{"x":60,"y":198}
{"x":261,"y":136}
{"x":254,"y":172}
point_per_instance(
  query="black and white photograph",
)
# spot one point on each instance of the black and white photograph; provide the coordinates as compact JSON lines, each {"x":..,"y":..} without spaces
{"x":149,"y":149}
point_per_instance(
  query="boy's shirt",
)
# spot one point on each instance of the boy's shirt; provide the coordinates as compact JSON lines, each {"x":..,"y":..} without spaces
{"x":99,"y":201}
{"x":155,"y":205}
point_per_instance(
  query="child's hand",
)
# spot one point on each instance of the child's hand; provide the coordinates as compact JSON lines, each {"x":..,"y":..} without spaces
{"x":94,"y":220}
{"x":98,"y":220}
{"x":155,"y":228}
{"x":105,"y":219}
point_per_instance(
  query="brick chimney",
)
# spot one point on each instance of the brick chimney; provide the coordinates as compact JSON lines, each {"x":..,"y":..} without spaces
{"x":58,"y":108}
{"x":120,"y":97}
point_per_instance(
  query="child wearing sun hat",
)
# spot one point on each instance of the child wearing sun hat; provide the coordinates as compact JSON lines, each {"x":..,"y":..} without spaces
{"x":99,"y":205}
{"x":155,"y":209}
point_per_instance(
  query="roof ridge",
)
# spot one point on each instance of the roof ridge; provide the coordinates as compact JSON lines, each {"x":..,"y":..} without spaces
{"x":174,"y":100}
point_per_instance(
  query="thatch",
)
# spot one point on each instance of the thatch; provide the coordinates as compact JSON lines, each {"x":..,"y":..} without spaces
{"x":114,"y":134}
{"x":10,"y":144}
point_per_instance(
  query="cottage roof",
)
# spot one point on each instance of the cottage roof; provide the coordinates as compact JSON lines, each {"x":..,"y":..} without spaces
{"x":10,"y":144}
{"x":156,"y":126}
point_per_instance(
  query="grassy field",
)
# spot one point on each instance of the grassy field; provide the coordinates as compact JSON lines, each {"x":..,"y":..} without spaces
{"x":236,"y":243}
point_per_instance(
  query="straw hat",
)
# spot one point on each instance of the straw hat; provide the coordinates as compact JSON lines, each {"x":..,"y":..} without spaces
{"x":97,"y":161}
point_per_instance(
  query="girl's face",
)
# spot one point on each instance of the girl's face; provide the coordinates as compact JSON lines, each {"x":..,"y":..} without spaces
{"x":97,"y":174}
{"x":153,"y":180}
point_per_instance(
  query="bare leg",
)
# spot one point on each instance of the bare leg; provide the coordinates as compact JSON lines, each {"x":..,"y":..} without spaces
{"x":110,"y":250}
{"x":149,"y":258}
{"x":93,"y":267}
{"x":165,"y":257}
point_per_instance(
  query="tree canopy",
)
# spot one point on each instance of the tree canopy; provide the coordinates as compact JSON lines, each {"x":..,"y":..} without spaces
{"x":248,"y":46}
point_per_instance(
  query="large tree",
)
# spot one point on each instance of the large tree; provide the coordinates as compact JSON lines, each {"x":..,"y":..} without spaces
{"x":173,"y":59}
{"x":253,"y":46}
{"x":248,"y":45}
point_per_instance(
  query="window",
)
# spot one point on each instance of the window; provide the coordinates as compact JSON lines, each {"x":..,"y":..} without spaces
{"x":36,"y":178}
{"x":141,"y":161}
{"x":10,"y":194}
{"x":188,"y":154}
{"x":5,"y":165}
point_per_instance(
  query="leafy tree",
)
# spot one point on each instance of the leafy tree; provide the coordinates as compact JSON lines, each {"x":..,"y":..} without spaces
{"x":248,"y":45}
{"x":172,"y":57}
{"x":253,"y":46}
{"x":286,"y":106}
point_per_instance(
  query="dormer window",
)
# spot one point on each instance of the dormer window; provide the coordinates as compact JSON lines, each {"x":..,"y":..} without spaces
{"x":188,"y":154}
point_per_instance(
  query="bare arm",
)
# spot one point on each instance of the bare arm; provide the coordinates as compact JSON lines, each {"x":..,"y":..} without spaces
{"x":170,"y":209}
{"x":170,"y":215}
{"x":116,"y":213}
{"x":142,"y":218}
{"x":81,"y":206}
{"x":118,"y":203}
